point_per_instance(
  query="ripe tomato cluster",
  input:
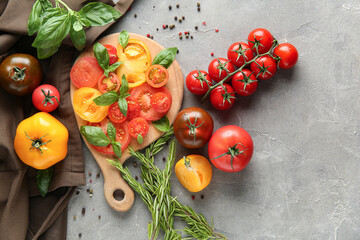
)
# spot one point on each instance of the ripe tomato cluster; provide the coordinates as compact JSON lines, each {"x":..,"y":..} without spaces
{"x":246,"y":63}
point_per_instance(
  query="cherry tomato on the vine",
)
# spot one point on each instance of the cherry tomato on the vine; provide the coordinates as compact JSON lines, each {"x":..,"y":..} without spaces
{"x":288,"y":55}
{"x":198,"y":82}
{"x":193,"y":127}
{"x":222,"y":97}
{"x":112,"y":53}
{"x":244,"y":83}
{"x":264,"y":67}
{"x":260,"y":38}
{"x":46,"y":98}
{"x":239,"y":53}
{"x":219,"y":68}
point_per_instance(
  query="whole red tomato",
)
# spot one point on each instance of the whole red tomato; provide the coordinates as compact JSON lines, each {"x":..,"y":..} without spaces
{"x":193,"y":127}
{"x":244,"y":83}
{"x":239,"y":53}
{"x":198,"y":82}
{"x":230,"y":148}
{"x":46,"y":98}
{"x":20,"y":74}
{"x":222,"y":97}
{"x":219,"y":68}
{"x":288,"y":55}
{"x":264,"y":67}
{"x":260,"y":38}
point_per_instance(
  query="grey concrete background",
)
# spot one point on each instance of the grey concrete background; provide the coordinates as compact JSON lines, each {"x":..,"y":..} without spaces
{"x":303,"y":180}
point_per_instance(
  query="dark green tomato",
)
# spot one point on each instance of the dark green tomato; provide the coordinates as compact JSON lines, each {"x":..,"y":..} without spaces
{"x":193,"y":127}
{"x":20,"y":74}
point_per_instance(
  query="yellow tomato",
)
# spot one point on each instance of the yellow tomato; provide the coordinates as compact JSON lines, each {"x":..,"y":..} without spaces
{"x":85,"y":107}
{"x":194,"y":172}
{"x":136,"y":60}
{"x":41,"y":141}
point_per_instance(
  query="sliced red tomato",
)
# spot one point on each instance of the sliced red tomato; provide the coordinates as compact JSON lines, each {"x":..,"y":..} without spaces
{"x":134,"y":108}
{"x":138,"y":126}
{"x":111,"y":83}
{"x":115,"y":114}
{"x":112,"y":53}
{"x":143,"y":95}
{"x":122,"y":135}
{"x":86,"y":72}
{"x":161,"y":102}
{"x":157,"y":76}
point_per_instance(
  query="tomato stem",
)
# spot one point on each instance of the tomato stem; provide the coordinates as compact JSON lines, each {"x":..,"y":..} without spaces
{"x":48,"y":98}
{"x":233,"y":152}
{"x":192,"y":126}
{"x":18,"y":73}
{"x":37,"y":143}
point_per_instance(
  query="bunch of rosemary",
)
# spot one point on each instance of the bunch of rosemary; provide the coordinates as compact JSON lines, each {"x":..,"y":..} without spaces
{"x":155,"y":192}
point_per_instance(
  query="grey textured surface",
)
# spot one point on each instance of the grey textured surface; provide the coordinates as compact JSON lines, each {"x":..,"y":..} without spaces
{"x":303,"y":180}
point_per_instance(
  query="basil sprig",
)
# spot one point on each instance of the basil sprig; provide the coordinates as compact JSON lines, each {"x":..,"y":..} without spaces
{"x":95,"y":136}
{"x":162,"y":124}
{"x":53,"y":24}
{"x":165,"y":57}
{"x":102,"y":57}
{"x":43,"y":178}
{"x":109,"y":98}
{"x":124,"y":38}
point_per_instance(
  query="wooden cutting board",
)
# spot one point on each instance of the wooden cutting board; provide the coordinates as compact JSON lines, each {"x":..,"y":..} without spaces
{"x":112,"y":178}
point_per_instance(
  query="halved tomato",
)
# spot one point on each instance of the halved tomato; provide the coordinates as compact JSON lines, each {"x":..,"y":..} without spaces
{"x":85,"y":72}
{"x":157,"y":76}
{"x":85,"y":107}
{"x":115,"y":114}
{"x":143,"y":95}
{"x":136,"y":60}
{"x":161,"y":102}
{"x":111,"y":83}
{"x":134,"y":108}
{"x":138,"y":126}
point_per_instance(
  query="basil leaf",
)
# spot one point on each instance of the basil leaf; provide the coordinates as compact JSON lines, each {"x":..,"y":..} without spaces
{"x":46,"y":4}
{"x":117,"y":148}
{"x":43,"y":53}
{"x":165,"y":57}
{"x":114,"y":66}
{"x":106,"y":99}
{"x":162,"y":124}
{"x":124,"y":38}
{"x":49,"y":13}
{"x":78,"y":38}
{"x":34,"y":21}
{"x":95,"y":136}
{"x":102,"y":56}
{"x":111,"y":131}
{"x":83,"y":20}
{"x":77,"y":26}
{"x":124,"y":86}
{"x":123,"y":106}
{"x":43,"y":178}
{"x":99,"y":14}
{"x":140,"y":139}
{"x":53,"y":31}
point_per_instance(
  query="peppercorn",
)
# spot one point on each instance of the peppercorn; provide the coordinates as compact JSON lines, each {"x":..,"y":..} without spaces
{"x":135,"y":164}
{"x":98,"y":175}
{"x":167,"y":26}
{"x":198,"y":4}
{"x":177,"y":5}
{"x":80,"y":235}
{"x":175,"y":18}
{"x":180,"y":37}
{"x":196,"y":27}
{"x":77,"y":192}
{"x":180,"y":20}
{"x":172,"y":26}
{"x":202,"y":196}
{"x":99,"y":217}
{"x":164,"y":157}
{"x":136,"y":178}
{"x":193,"y":197}
{"x":83,"y":211}
{"x":183,"y":17}
{"x":90,"y":173}
{"x":135,"y":16}
{"x":198,"y":9}
{"x":170,"y":7}
{"x":191,"y":37}
{"x":187,"y":36}
{"x":152,"y":37}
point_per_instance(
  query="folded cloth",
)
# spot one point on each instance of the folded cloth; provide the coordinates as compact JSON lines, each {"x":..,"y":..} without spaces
{"x":24,"y":214}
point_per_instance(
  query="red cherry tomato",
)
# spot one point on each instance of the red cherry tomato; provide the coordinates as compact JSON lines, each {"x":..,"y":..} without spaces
{"x":138,"y":126}
{"x":230,"y":148}
{"x":264,"y":67}
{"x":161,"y":102}
{"x":46,"y":98}
{"x":115,"y":114}
{"x":198,"y":82}
{"x":111,"y":83}
{"x":244,"y":83}
{"x":239,"y":53}
{"x":260,"y":38}
{"x":86,"y":72}
{"x":112,"y":53}
{"x":288,"y":55}
{"x":219,"y":68}
{"x":134,"y":108}
{"x":222,"y":97}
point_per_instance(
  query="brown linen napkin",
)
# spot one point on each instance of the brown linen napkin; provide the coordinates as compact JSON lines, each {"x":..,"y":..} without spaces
{"x":23,"y":213}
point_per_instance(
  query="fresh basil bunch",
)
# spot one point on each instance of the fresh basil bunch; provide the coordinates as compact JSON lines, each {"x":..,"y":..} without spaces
{"x":53,"y":24}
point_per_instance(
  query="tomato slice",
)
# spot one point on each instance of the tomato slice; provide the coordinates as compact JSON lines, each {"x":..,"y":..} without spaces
{"x":86,"y":72}
{"x":143,"y":95}
{"x":111,"y":83}
{"x":138,"y":126}
{"x":122,"y":135}
{"x":157,"y":76}
{"x":134,"y":108}
{"x":112,"y":53}
{"x":161,"y":102}
{"x":115,"y":114}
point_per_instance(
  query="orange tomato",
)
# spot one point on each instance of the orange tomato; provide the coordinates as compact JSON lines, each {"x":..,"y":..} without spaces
{"x":136,"y":60}
{"x":194,"y":172}
{"x":85,"y":107}
{"x":157,"y":76}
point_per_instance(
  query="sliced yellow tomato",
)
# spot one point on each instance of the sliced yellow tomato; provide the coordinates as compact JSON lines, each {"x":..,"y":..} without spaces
{"x":136,"y":60}
{"x":85,"y":107}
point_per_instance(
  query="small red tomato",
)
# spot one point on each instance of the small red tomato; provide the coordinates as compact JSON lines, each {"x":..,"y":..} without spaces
{"x":260,"y":38}
{"x":161,"y":102}
{"x":115,"y":114}
{"x":239,"y":53}
{"x":264,"y":67}
{"x":112,"y":53}
{"x":222,"y":97}
{"x":134,"y":108}
{"x":198,"y":82}
{"x":46,"y":98}
{"x":244,"y":83}
{"x":219,"y":68}
{"x":107,"y":84}
{"x":138,"y":128}
{"x":288,"y":55}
